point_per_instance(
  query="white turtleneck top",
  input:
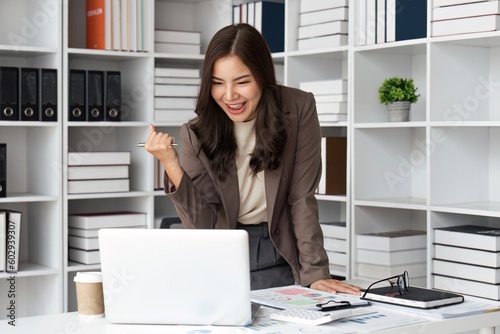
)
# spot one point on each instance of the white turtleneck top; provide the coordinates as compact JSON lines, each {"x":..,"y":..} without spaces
{"x":253,"y":208}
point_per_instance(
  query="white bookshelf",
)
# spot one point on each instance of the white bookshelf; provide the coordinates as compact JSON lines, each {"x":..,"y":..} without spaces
{"x":439,"y":169}
{"x":328,"y":63}
{"x":137,"y":73}
{"x":31,"y":39}
{"x":400,"y":175}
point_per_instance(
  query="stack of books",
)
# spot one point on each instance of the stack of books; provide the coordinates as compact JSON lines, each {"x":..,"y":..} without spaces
{"x":450,"y":17}
{"x":331,"y":98}
{"x":175,"y":93}
{"x":172,"y":41}
{"x":385,"y":254}
{"x":119,"y":25}
{"x":98,"y":172}
{"x":322,"y":23}
{"x":467,"y":260}
{"x":335,"y":240}
{"x":83,"y":229}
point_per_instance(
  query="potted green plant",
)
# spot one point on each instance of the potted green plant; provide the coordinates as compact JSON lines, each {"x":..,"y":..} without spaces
{"x":398,"y":94}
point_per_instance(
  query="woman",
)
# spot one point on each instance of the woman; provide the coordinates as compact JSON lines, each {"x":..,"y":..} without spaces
{"x":251,"y":160}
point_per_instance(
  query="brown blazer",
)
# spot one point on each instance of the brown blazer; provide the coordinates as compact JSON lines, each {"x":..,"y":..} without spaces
{"x":202,"y":201}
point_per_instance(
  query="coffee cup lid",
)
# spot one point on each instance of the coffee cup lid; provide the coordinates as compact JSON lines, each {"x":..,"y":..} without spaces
{"x":88,"y":277}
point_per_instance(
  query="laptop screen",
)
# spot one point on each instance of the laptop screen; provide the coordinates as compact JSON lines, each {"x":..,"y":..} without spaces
{"x":176,"y":276}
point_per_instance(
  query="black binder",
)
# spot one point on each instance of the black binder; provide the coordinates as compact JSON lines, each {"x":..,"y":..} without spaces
{"x":29,"y":94}
{"x":95,"y":96}
{"x":3,"y":170}
{"x":48,"y":95}
{"x":113,"y":96}
{"x":416,"y":297}
{"x":9,"y":94}
{"x":77,"y":96}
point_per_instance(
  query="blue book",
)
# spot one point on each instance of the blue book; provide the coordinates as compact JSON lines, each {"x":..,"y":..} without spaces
{"x":270,"y":21}
{"x":411,"y":19}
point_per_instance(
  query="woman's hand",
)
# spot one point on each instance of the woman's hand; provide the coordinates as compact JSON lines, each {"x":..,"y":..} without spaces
{"x":335,"y":286}
{"x":159,"y":144}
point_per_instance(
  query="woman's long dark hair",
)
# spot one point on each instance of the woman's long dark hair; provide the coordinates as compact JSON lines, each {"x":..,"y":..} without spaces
{"x":214,"y":128}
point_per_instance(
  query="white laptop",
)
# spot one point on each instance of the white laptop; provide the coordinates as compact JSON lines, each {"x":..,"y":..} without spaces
{"x":176,"y":276}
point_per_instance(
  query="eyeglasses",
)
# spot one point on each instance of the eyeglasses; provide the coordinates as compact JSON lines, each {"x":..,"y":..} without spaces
{"x":402,"y":282}
{"x":333,"y":305}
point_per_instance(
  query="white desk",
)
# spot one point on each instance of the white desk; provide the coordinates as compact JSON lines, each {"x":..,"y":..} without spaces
{"x":403,"y":320}
{"x":69,"y":323}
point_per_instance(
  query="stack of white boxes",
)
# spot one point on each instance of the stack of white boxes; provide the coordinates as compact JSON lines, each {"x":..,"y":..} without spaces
{"x":467,"y":260}
{"x":171,"y":41}
{"x":83,"y":229}
{"x":175,"y":93}
{"x":322,"y":24}
{"x":331,"y":98}
{"x":450,"y":17}
{"x":98,"y":172}
{"x":335,"y":239}
{"x":385,"y":254}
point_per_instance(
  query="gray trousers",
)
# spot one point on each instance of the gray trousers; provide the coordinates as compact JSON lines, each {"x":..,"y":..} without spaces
{"x":268,"y":268}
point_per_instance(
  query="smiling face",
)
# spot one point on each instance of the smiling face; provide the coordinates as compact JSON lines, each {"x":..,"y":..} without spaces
{"x":235,"y":89}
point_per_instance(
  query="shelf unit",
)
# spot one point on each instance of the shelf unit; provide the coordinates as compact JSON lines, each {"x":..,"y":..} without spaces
{"x":441,"y":168}
{"x":194,"y":15}
{"x":34,"y":162}
{"x":137,"y":72}
{"x":400,"y":175}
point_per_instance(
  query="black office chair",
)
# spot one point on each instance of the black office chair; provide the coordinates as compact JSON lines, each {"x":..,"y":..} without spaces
{"x":171,"y":222}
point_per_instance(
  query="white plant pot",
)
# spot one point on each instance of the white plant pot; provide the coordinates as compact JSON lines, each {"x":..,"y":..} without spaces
{"x":399,"y":111}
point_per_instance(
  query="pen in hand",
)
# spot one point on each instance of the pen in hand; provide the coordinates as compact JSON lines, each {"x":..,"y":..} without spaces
{"x":142,"y":144}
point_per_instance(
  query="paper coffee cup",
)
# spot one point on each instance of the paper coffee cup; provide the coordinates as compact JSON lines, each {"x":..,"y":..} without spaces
{"x":89,"y":294}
